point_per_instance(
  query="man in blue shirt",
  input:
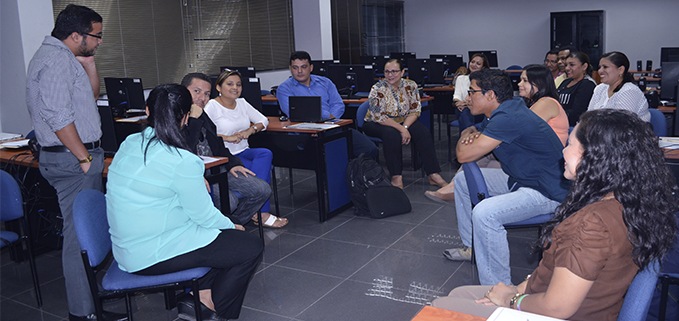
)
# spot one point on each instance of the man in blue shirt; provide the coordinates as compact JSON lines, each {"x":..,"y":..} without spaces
{"x":530,"y":182}
{"x":303,"y":83}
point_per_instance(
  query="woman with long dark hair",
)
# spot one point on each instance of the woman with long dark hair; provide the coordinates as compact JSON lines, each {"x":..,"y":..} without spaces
{"x":162,"y":218}
{"x":576,"y":91}
{"x":617,"y":219}
{"x":538,"y":90}
{"x":617,"y":88}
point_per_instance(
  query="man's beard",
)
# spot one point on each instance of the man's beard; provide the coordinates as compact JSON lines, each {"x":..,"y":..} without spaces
{"x":84,"y":51}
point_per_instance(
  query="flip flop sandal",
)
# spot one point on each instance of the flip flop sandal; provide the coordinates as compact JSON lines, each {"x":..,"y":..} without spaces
{"x":271,"y":221}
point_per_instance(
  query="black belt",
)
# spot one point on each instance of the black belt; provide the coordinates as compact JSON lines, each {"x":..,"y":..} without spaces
{"x":62,"y":149}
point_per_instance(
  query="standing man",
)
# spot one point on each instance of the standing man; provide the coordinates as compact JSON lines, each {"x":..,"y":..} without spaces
{"x":552,"y":63}
{"x":61,"y":89}
{"x":561,"y":62}
{"x":530,"y":182}
{"x":303,"y":83}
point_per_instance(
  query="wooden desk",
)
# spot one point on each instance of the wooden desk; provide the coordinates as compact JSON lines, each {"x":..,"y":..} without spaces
{"x":326,"y":152}
{"x":272,"y":98}
{"x":430,"y":313}
{"x":23,"y":157}
{"x":441,"y":88}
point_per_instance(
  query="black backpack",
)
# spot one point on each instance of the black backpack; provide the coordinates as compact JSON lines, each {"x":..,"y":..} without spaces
{"x":363,"y":174}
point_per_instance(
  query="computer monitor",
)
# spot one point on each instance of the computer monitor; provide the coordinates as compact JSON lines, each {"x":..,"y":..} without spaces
{"x":252,"y":92}
{"x":668,"y":82}
{"x":244,"y":71}
{"x":454,"y":61}
{"x":403,"y":56}
{"x":109,"y":142}
{"x":491,"y":55}
{"x":125,"y":94}
{"x":426,"y":71}
{"x":669,"y":54}
{"x":321,"y":66}
{"x":359,"y":78}
{"x":377,"y":62}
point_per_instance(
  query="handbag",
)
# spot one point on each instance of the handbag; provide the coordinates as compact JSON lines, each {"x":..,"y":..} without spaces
{"x":385,"y":201}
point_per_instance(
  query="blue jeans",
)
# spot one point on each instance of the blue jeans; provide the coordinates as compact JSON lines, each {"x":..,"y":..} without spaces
{"x":258,"y":160}
{"x":488,"y":219}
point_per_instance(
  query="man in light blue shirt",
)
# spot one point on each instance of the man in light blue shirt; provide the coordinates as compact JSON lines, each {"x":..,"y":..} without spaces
{"x":303,"y":83}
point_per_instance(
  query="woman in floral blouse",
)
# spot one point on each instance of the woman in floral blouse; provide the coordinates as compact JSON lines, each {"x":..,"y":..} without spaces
{"x":394,"y":109}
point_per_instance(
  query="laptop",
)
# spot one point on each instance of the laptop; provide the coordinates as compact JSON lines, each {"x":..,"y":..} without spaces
{"x":306,"y":109}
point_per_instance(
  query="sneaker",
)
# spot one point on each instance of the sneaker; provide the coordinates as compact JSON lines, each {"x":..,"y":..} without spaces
{"x":458,"y":254}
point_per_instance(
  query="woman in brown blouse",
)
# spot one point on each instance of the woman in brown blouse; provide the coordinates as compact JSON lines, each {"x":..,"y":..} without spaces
{"x":394,"y":109}
{"x":618,"y":218}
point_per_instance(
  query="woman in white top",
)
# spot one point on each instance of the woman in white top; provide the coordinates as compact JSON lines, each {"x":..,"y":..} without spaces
{"x":476,"y":63}
{"x":617,"y":89}
{"x":236,"y":120}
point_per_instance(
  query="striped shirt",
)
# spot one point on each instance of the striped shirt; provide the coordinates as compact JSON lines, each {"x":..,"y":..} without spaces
{"x":629,"y":97}
{"x":58,"y":93}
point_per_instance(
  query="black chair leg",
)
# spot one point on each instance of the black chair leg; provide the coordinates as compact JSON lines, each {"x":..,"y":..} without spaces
{"x":275,"y":189}
{"x":665,"y":281}
{"x":31,"y":262}
{"x":128,"y":306}
{"x":261,"y":225}
{"x":196,"y":299}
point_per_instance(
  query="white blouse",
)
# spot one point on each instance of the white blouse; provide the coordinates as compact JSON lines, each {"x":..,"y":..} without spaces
{"x":230,"y":121}
{"x":629,"y":97}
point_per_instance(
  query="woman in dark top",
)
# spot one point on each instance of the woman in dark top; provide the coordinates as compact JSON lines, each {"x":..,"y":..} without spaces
{"x":616,"y":220}
{"x":576,"y":91}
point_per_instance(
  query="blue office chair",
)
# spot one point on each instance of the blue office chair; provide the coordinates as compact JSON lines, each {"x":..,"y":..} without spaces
{"x":13,"y":209}
{"x":659,"y":122}
{"x":92,"y":229}
{"x":478,"y":191}
{"x":639,"y":294}
{"x":360,"y":119}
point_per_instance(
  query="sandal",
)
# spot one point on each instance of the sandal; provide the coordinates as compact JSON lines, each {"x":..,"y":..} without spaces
{"x":271,"y":221}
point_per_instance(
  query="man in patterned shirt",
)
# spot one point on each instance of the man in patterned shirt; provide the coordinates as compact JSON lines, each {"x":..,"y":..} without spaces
{"x":61,"y":89}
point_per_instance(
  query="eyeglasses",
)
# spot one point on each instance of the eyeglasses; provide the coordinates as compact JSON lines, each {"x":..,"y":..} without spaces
{"x":550,"y":61}
{"x":392,"y":71}
{"x":472,"y":91}
{"x":91,"y":35}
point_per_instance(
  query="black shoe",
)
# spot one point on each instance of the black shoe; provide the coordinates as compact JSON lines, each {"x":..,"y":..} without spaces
{"x":185,"y":307}
{"x":108,"y":316}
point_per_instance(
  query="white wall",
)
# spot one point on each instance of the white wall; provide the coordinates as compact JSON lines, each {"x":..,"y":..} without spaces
{"x":23,"y":26}
{"x":313,"y":28}
{"x":519,"y":29}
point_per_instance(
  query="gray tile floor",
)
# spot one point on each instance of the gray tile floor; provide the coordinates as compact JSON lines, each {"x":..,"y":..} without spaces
{"x":347,"y":268}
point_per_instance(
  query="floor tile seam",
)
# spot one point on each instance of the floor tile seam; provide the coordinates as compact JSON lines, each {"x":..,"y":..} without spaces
{"x":451,"y":276}
{"x":307,"y":271}
{"x":303,"y":246}
{"x":266,"y":312}
{"x":342,"y":282}
{"x":354,"y":243}
{"x":413,"y":252}
{"x":41,"y":310}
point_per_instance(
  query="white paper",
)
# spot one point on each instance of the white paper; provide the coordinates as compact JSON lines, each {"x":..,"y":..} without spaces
{"x":132,"y":119}
{"x":505,"y":314}
{"x":15,"y":144}
{"x":669,"y":142}
{"x":208,"y":159}
{"x":313,"y":126}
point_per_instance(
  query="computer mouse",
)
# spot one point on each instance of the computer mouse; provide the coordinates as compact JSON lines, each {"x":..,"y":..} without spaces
{"x":283,"y":118}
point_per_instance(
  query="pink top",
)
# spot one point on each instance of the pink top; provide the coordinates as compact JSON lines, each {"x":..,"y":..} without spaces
{"x":559,"y":123}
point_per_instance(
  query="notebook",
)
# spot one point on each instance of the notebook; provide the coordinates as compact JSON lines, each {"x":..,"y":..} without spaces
{"x":306,"y":109}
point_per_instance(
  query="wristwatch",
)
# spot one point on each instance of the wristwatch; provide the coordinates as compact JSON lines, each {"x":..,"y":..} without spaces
{"x":86,"y":160}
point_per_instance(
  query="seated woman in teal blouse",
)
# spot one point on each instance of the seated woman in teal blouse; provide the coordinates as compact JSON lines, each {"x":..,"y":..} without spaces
{"x":162,"y":217}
